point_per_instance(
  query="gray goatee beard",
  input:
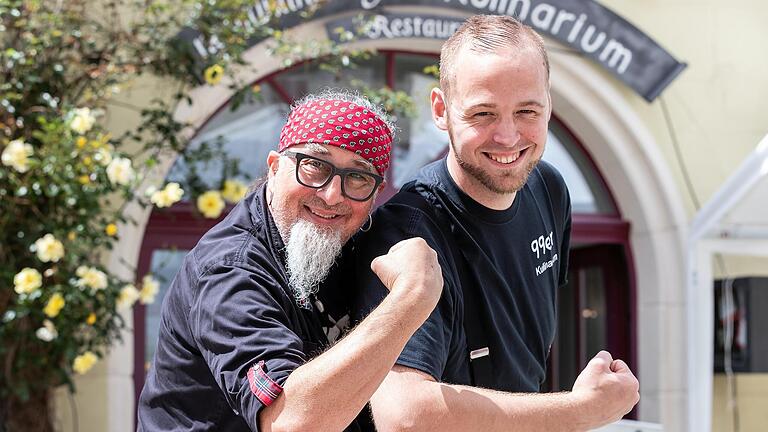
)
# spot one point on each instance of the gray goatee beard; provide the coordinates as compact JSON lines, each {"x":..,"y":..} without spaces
{"x":310,"y":253}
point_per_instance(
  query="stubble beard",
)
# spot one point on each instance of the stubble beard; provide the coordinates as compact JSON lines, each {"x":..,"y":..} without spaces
{"x":507,"y":184}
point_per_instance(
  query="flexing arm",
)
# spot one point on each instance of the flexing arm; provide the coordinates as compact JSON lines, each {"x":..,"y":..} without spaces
{"x":410,"y":400}
{"x":327,"y":393}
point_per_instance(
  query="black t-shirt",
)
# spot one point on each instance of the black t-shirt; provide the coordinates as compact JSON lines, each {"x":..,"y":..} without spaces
{"x":517,"y":259}
{"x":230,"y":330}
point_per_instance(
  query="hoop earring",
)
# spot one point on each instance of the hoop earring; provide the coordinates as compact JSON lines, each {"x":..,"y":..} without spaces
{"x":370,"y":223}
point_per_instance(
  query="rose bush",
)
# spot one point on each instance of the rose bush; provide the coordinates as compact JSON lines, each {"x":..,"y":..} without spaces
{"x":64,"y":180}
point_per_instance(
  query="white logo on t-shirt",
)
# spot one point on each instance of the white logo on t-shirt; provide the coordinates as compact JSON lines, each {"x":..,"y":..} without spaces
{"x":546,"y":265}
{"x":541,"y":245}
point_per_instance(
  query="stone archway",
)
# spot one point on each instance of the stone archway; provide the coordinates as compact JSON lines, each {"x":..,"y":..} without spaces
{"x":630,"y":160}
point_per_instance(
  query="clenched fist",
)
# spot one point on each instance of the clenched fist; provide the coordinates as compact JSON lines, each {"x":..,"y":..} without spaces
{"x":410,"y":271}
{"x":607,"y":390}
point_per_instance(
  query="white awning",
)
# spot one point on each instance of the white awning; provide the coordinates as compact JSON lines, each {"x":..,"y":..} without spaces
{"x":733,"y":222}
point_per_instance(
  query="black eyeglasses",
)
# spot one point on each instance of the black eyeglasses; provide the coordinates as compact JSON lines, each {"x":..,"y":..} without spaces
{"x":312,"y":172}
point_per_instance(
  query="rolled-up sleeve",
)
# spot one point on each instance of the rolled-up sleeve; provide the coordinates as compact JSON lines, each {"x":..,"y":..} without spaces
{"x":244,"y":334}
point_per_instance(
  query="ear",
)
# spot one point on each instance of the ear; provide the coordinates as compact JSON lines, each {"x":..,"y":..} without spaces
{"x":439,"y":108}
{"x":549,"y":100}
{"x":549,"y":104}
{"x":379,"y":188}
{"x":273,"y":163}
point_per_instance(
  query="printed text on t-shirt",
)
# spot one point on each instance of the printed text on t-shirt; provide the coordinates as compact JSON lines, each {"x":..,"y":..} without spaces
{"x":541,"y":245}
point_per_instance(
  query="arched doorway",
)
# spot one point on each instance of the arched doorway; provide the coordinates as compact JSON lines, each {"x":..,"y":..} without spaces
{"x":594,"y":307}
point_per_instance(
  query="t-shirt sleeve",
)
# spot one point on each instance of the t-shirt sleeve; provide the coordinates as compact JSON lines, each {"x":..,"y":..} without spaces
{"x":565,"y":243}
{"x":561,"y":204}
{"x":244,"y":335}
{"x":429,"y":347}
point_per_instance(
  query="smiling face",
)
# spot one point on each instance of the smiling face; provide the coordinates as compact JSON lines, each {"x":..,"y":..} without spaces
{"x":496,"y":118}
{"x":326,"y":208}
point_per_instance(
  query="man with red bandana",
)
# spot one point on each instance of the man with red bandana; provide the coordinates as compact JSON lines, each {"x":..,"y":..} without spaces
{"x":500,"y":221}
{"x":244,"y":331}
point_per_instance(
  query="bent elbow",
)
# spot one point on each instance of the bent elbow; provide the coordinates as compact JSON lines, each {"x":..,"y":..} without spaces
{"x":271,"y":420}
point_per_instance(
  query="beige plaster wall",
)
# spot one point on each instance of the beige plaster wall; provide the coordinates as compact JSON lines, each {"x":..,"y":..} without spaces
{"x":718,"y":104}
{"x":751,"y":399}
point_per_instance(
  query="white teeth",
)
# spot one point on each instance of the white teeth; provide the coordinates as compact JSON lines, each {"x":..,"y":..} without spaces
{"x":504,"y":159}
{"x":322,"y":216}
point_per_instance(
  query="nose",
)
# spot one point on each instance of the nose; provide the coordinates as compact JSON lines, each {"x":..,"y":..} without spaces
{"x":331,"y":192}
{"x":506,"y":133}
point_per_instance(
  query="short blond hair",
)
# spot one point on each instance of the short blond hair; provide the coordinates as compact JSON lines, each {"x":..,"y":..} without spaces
{"x":487,"y":34}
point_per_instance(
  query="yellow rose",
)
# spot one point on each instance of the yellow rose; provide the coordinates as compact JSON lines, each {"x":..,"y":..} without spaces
{"x":91,"y":278}
{"x":27,"y":281}
{"x":128,"y":296}
{"x":170,"y":195}
{"x":49,"y":249}
{"x":120,"y":171}
{"x":210,"y":204}
{"x":16,"y":155}
{"x":174,"y":191}
{"x":214,"y":74}
{"x":160,"y":199}
{"x":149,"y":289}
{"x":54,"y":306}
{"x":81,"y":142}
{"x":84,"y":362}
{"x":82,"y":120}
{"x":111,"y":230}
{"x":233,"y":191}
{"x":91,"y":320}
{"x":84,"y":179}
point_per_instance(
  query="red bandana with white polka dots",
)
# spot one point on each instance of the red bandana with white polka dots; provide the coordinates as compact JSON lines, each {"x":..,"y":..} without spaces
{"x":341,"y":124}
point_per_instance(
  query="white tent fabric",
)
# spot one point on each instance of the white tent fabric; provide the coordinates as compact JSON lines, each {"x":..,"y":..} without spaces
{"x":733,"y":222}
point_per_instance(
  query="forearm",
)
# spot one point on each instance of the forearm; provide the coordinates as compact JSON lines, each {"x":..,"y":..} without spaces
{"x":327,"y":393}
{"x":432,"y":406}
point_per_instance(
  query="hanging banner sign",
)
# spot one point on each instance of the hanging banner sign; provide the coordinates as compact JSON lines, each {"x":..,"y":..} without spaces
{"x":584,"y":25}
{"x":394,"y":26}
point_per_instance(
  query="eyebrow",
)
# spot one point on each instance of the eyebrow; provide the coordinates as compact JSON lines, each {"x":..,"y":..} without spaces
{"x":480,"y":105}
{"x":365,"y":163}
{"x":532,"y":102}
{"x":491,"y":105}
{"x":317,"y":148}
